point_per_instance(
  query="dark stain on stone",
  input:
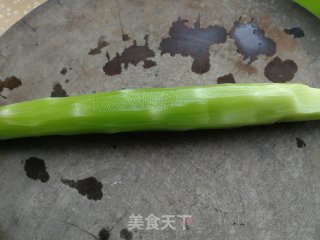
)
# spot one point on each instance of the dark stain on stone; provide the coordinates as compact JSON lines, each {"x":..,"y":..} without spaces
{"x":251,"y":40}
{"x":244,"y":67}
{"x":131,"y":55}
{"x":238,"y":224}
{"x":296,"y":32}
{"x":10,"y":83}
{"x":194,"y":42}
{"x":125,"y":37}
{"x":58,"y":91}
{"x":280,"y":71}
{"x":149,"y":64}
{"x":67,"y":81}
{"x":35,"y":169}
{"x":226,"y":79}
{"x":89,"y":187}
{"x":64,"y":71}
{"x":300,"y":143}
{"x":104,"y":234}
{"x":188,"y":227}
{"x":102,"y":43}
{"x":125,"y":234}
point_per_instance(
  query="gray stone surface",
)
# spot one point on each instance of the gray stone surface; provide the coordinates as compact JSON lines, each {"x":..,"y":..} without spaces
{"x":250,"y":183}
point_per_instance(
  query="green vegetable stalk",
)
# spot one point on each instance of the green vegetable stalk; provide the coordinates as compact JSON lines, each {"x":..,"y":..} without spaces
{"x":312,"y":5}
{"x":172,"y":109}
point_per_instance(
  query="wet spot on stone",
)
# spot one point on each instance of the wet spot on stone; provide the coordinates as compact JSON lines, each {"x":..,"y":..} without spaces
{"x":296,"y":32}
{"x":10,"y":83}
{"x":104,"y":234}
{"x":64,"y":71}
{"x":226,"y":79}
{"x":279,"y":71}
{"x":300,"y":143}
{"x":125,"y":234}
{"x":89,"y":187}
{"x":35,"y":169}
{"x":58,"y":91}
{"x":194,"y":42}
{"x":131,"y":55}
{"x":244,"y":67}
{"x":102,"y":43}
{"x":251,"y":40}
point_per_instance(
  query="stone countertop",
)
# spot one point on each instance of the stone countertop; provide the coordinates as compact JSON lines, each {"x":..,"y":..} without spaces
{"x":13,"y":10}
{"x":250,"y":183}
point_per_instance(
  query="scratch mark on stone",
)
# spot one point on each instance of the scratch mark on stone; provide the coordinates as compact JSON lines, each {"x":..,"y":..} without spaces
{"x":29,"y":26}
{"x":78,"y":227}
{"x":125,"y":36}
{"x":120,"y":219}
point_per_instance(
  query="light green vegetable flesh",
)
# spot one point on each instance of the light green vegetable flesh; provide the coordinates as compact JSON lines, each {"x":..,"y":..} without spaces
{"x":172,"y":109}
{"x":312,"y":5}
